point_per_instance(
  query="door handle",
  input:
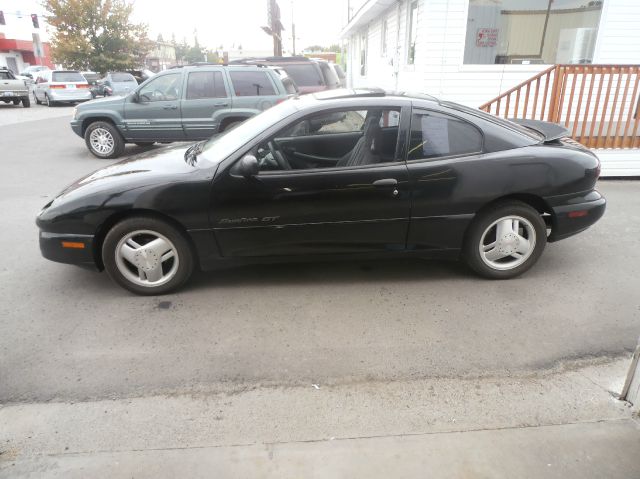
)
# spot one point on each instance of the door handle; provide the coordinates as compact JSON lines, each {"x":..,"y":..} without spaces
{"x":170,"y":107}
{"x":385,"y":182}
{"x":220,"y":104}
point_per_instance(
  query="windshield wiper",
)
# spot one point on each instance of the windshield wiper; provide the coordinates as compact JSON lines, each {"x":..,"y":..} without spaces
{"x":191,"y":155}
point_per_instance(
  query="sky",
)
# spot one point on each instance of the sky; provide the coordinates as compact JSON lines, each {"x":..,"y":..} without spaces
{"x":237,"y":22}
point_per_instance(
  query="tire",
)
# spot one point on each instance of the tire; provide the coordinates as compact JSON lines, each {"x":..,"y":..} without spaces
{"x":104,"y":140}
{"x":516,"y":252}
{"x":144,"y":144}
{"x":26,"y":103}
{"x":48,"y":101}
{"x":174,"y":271}
{"x":35,"y":97}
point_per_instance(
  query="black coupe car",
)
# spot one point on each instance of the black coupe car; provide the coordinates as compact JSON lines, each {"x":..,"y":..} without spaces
{"x":338,"y":174}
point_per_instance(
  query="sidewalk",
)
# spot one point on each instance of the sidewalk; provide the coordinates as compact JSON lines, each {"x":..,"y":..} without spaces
{"x":587,"y":450}
{"x":513,"y":424}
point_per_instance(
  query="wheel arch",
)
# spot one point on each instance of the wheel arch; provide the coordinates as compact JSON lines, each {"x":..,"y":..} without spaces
{"x":116,"y":217}
{"x":92,"y":119}
{"x":536,"y":202}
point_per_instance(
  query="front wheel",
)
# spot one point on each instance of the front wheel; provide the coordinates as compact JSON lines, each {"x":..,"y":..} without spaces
{"x":35,"y":97}
{"x":505,"y":240}
{"x":104,"y":140}
{"x":147,"y":256}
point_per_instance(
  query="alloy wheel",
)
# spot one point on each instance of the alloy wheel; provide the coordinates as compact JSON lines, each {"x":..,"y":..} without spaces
{"x":146,"y":258}
{"x":507,"y":243}
{"x":102,"y":141}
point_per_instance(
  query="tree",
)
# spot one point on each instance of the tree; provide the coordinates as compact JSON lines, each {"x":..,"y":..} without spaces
{"x":96,"y":35}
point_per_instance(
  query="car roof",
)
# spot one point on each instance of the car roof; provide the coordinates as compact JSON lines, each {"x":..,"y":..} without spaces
{"x":371,"y":93}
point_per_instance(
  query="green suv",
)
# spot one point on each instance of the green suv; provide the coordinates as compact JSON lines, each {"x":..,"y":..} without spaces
{"x":180,"y":104}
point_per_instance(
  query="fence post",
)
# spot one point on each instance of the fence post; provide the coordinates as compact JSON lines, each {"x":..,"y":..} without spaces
{"x":558,"y":78}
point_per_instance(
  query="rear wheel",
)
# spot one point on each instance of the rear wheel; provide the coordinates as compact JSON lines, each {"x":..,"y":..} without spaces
{"x":505,"y":240}
{"x":147,"y":256}
{"x":48,"y":100}
{"x":230,"y":125}
{"x":104,"y":140}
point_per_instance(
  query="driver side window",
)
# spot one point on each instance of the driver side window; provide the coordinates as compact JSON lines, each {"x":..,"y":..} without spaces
{"x":163,"y":88}
{"x":334,"y":139}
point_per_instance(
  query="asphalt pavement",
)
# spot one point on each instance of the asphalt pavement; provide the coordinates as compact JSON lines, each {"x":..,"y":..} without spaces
{"x":70,"y":335}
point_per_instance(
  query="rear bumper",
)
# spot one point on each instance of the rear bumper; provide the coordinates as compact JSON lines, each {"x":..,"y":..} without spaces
{"x":76,"y":95}
{"x":68,"y":248}
{"x":14,"y":95}
{"x":576,"y":215}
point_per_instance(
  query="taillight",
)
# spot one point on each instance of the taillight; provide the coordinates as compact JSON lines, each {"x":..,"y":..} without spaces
{"x":57,"y":87}
{"x":82,"y":85}
{"x":577,"y":214}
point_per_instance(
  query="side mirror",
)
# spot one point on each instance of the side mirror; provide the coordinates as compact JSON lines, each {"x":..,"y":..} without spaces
{"x":135,"y":97}
{"x":249,"y":166}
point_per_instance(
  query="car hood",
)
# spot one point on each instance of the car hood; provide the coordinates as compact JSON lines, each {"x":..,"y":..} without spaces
{"x":101,"y":102}
{"x":160,"y":165}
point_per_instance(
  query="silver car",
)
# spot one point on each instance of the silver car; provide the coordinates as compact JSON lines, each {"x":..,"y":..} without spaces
{"x":117,"y":83}
{"x":61,"y":86}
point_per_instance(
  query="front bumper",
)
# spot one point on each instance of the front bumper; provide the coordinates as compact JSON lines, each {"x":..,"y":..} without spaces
{"x":76,"y":126}
{"x":68,"y":248}
{"x":576,"y":215}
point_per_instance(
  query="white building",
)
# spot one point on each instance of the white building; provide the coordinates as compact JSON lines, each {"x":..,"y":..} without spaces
{"x":22,"y":43}
{"x":471,"y":51}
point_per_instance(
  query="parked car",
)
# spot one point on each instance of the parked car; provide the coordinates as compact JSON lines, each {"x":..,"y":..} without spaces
{"x":340,"y":74}
{"x":343,"y":174}
{"x":61,"y":86}
{"x":329,"y":74}
{"x":92,"y":79}
{"x":32,"y":71}
{"x":185,"y":103}
{"x":288,"y":83}
{"x":141,"y":75}
{"x":307,"y":74}
{"x":116,"y":83}
{"x":12,"y":89}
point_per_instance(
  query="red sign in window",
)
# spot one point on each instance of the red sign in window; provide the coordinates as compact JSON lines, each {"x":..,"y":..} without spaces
{"x":487,"y":37}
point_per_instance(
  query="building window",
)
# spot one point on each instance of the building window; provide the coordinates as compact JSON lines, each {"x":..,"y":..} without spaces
{"x":531,"y":31}
{"x":383,"y":37}
{"x":412,"y":33}
{"x":363,"y":54}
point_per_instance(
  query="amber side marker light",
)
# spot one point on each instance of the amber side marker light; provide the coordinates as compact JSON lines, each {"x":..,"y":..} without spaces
{"x":577,"y":214}
{"x":72,"y":245}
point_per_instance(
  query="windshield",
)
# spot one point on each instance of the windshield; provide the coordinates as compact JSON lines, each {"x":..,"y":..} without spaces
{"x":304,"y":74}
{"x":122,"y":77}
{"x":68,"y":77}
{"x":221,"y":146}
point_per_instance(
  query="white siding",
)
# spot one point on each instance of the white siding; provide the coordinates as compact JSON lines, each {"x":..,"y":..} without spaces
{"x":439,"y":68}
{"x":619,"y":34}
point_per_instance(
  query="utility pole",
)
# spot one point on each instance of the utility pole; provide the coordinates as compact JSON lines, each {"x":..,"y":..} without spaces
{"x":274,"y":28}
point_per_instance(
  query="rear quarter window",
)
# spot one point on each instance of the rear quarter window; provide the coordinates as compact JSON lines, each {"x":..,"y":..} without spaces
{"x":251,"y":83}
{"x":122,"y":77}
{"x":306,"y":74}
{"x":436,"y":135}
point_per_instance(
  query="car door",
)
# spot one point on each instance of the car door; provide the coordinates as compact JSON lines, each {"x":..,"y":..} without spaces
{"x":39,"y":86}
{"x":206,"y":93}
{"x":360,"y":208}
{"x":153,"y":113}
{"x":444,"y":150}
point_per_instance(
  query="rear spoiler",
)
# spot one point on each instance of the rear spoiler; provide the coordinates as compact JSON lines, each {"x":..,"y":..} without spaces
{"x":550,"y":131}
